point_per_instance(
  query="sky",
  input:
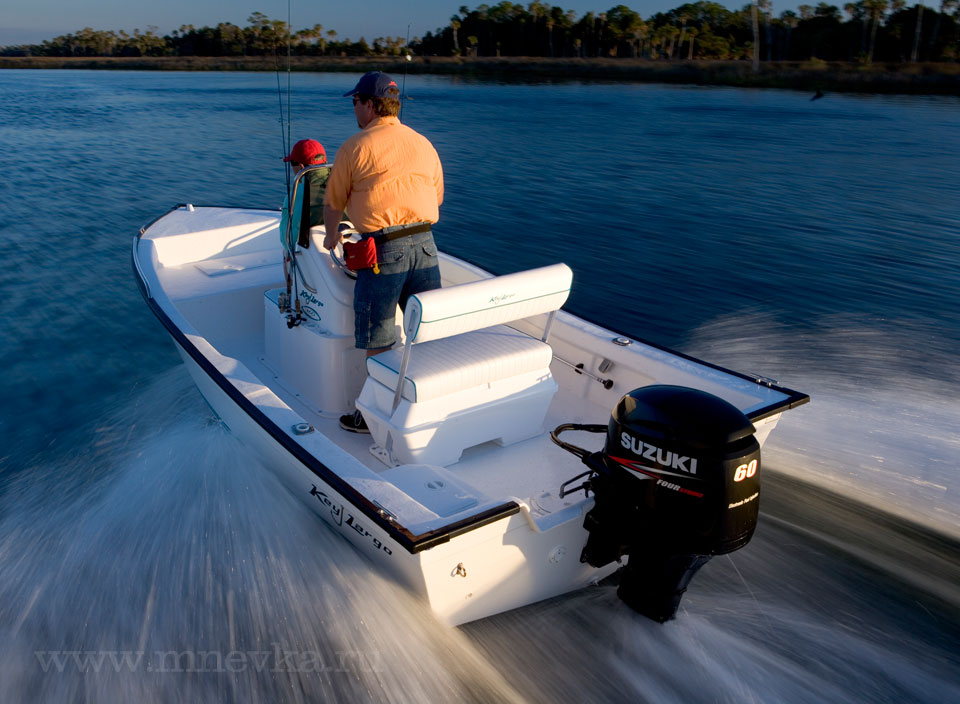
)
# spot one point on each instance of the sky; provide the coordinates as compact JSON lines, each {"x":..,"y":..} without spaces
{"x":33,"y":21}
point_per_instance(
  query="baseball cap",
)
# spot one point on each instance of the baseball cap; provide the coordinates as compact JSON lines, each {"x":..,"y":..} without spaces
{"x":375,"y":83}
{"x":307,"y":151}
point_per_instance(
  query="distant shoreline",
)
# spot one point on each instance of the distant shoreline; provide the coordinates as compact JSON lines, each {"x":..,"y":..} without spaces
{"x":912,"y":78}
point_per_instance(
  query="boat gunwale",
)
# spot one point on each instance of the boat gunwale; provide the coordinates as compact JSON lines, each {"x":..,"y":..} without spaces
{"x":794,"y":398}
{"x":413,"y":543}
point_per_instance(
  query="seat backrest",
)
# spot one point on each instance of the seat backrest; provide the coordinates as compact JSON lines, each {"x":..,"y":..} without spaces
{"x":443,"y":312}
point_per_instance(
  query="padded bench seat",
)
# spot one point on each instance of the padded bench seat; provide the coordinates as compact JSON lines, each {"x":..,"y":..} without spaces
{"x":453,"y":364}
{"x":467,"y":378}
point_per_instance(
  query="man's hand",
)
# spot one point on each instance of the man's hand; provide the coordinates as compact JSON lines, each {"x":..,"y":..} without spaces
{"x":331,"y":215}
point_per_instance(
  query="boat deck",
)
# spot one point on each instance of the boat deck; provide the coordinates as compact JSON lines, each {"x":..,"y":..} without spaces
{"x":225,"y":299}
{"x":531,"y":470}
{"x":209,"y":269}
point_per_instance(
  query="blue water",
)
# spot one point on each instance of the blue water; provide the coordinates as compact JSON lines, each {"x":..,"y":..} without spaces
{"x":813,"y":242}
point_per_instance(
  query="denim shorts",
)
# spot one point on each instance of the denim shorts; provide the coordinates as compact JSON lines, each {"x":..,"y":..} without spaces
{"x":408,"y":265}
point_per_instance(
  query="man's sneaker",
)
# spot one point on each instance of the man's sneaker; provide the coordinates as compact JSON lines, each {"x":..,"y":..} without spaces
{"x":354,"y":422}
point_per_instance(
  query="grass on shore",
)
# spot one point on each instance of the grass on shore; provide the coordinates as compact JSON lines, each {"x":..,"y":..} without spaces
{"x":919,"y":78}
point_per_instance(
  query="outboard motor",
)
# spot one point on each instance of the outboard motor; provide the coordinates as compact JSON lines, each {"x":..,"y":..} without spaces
{"x":677,"y":482}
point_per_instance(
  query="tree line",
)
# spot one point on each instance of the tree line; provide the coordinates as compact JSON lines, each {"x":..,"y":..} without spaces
{"x":867,"y":30}
{"x":864,"y":31}
{"x":261,"y":37}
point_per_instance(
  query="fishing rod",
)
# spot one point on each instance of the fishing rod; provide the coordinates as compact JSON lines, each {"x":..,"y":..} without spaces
{"x":289,"y":92}
{"x":284,"y":302}
{"x":406,"y":60}
{"x":293,"y":318}
{"x":289,"y":257}
{"x":283,"y":136}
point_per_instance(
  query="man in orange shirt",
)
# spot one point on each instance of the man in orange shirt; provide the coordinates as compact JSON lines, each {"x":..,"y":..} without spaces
{"x":389,"y":178}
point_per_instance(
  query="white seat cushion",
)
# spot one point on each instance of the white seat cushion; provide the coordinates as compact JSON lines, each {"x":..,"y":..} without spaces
{"x":449,"y":311}
{"x":449,"y":365}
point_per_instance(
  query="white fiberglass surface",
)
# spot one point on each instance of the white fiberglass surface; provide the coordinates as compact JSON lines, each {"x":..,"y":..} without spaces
{"x":233,"y":323}
{"x":191,"y":235}
{"x":225,"y":305}
{"x":527,"y":470}
{"x":524,"y":470}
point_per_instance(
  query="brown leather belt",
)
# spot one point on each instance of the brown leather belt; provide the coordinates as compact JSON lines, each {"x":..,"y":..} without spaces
{"x":380,"y":237}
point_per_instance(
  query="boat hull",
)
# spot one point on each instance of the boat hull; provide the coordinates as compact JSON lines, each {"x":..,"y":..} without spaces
{"x":488,"y":570}
{"x":483,"y":535}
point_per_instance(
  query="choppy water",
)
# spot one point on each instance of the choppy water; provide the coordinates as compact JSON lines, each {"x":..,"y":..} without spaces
{"x":815,"y":243}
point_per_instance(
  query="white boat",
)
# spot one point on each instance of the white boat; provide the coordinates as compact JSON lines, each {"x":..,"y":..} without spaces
{"x":457,"y":490}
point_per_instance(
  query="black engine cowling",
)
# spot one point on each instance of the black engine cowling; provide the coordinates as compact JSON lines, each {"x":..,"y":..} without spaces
{"x":678,"y":481}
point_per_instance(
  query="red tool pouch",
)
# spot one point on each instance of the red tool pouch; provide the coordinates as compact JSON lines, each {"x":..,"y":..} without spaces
{"x":361,"y":255}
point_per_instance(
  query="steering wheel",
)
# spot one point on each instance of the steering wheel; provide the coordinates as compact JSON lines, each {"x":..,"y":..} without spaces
{"x":336,"y":254}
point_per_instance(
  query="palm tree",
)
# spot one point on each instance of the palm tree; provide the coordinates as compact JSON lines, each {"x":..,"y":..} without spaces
{"x":455,"y":26}
{"x":790,"y":21}
{"x":640,"y":38}
{"x":672,"y":33}
{"x":916,"y":33}
{"x":560,"y":23}
{"x":876,"y":8}
{"x":602,"y":18}
{"x":656,"y":40}
{"x":896,"y":31}
{"x":307,"y":36}
{"x":277,"y":34}
{"x":549,"y":23}
{"x":857,"y":12}
{"x":683,"y":17}
{"x":539,"y":11}
{"x":767,"y":7}
{"x":566,"y":20}
{"x":756,"y":35}
{"x":691,"y":35}
{"x":945,"y":6}
{"x":587,"y":23}
{"x":622,"y":23}
{"x":257,"y":32}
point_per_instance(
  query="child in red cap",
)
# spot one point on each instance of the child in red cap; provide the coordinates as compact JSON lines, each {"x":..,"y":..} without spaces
{"x":306,"y":152}
{"x":309,"y":152}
